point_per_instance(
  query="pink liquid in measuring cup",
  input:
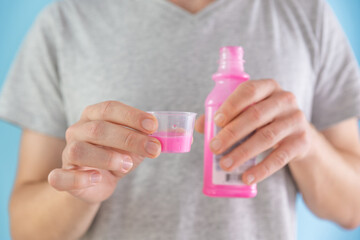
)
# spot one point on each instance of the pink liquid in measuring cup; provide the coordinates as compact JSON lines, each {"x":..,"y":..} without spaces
{"x":174,"y":142}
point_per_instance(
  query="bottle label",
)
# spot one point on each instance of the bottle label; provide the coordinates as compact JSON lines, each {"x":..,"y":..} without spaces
{"x":221,"y":177}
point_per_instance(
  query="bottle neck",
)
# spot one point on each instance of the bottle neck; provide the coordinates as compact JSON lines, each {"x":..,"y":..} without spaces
{"x":231,"y":65}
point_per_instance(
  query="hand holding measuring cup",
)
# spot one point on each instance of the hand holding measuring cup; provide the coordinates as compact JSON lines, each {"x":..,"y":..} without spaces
{"x":109,"y":141}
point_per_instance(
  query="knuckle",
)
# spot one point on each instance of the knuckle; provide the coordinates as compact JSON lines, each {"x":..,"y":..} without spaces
{"x":128,"y":116}
{"x":299,"y":116}
{"x":250,"y":89}
{"x":256,"y":113}
{"x":281,"y":158}
{"x":273,"y":82}
{"x":229,"y":132}
{"x":278,"y":102}
{"x":106,"y":108}
{"x":129,"y":139}
{"x":230,"y":106}
{"x":242,"y":153}
{"x":267,"y":169}
{"x":268,"y":134}
{"x":73,"y":152}
{"x":289,"y":97}
{"x":95,"y":129}
{"x":304,"y":138}
{"x":87,"y":110}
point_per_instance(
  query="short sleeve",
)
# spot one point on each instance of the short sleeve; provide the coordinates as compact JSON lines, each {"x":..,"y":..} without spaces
{"x":337,"y":90}
{"x":31,"y":96}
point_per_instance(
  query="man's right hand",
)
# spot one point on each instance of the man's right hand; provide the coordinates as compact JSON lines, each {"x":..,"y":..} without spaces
{"x":109,"y":141}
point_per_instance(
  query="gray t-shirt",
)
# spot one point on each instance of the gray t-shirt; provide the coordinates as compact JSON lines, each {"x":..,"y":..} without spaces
{"x":155,"y":56}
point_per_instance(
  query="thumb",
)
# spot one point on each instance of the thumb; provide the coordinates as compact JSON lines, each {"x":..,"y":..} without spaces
{"x":199,"y":124}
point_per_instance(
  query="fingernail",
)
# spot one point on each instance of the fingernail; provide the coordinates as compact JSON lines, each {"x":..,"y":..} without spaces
{"x":250,"y":178}
{"x":215,"y":144}
{"x":152,"y":148}
{"x":227,"y":162}
{"x":95,"y":178}
{"x":148,"y":124}
{"x":127,"y":164}
{"x":219,"y":118}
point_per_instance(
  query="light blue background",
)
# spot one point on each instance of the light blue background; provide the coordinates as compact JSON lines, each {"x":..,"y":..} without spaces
{"x":16,"y":16}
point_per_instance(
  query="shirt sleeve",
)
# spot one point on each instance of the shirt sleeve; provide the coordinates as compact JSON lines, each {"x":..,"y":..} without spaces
{"x":31,"y":96}
{"x":337,"y":89}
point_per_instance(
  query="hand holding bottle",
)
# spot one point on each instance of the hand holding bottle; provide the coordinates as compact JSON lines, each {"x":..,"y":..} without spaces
{"x":264,"y":107}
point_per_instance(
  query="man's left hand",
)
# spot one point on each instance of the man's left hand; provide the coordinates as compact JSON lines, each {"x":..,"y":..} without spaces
{"x":261,"y":107}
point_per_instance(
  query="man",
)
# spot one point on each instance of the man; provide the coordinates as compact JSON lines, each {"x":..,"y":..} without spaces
{"x":89,"y":70}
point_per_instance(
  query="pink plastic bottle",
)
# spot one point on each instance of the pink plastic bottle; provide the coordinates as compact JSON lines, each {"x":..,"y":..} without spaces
{"x":217,"y":182}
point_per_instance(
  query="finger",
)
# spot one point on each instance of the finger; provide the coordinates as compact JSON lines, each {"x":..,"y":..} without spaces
{"x":254,"y":117}
{"x":200,"y":123}
{"x":136,"y":160}
{"x":88,"y":155}
{"x":262,"y":140}
{"x":112,"y":135}
{"x":244,"y":95}
{"x":123,"y":114}
{"x":67,"y":180}
{"x":287,"y":151}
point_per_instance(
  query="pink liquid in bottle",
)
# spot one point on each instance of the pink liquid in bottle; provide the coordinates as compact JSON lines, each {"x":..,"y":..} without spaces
{"x":174,"y":142}
{"x":217,"y":182}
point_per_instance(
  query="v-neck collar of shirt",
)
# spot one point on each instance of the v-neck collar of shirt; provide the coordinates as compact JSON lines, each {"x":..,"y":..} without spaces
{"x":180,"y":12}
